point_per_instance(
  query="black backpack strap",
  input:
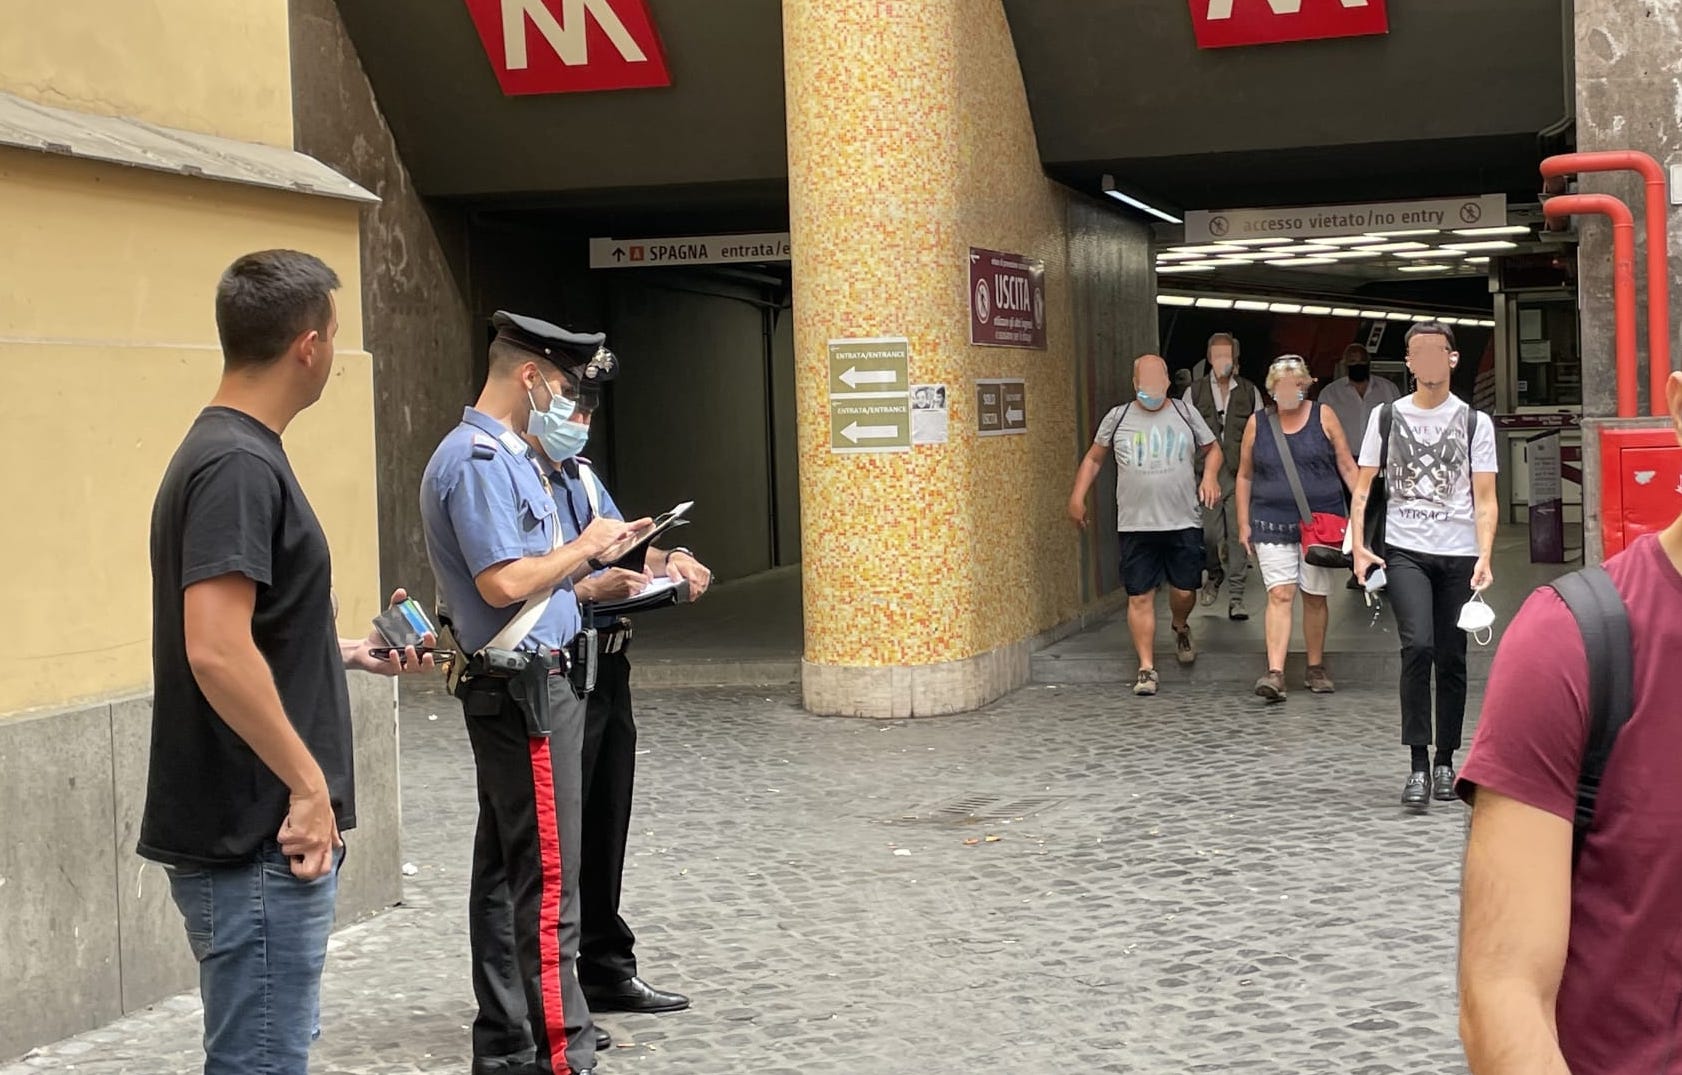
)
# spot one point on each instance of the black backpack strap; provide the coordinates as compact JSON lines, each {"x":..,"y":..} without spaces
{"x":1603,"y":621}
{"x":1386,"y":414}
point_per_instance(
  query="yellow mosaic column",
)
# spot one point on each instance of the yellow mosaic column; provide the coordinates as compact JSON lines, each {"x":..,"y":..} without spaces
{"x":927,"y":572}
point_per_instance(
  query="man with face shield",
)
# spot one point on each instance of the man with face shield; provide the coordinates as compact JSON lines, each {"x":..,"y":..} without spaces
{"x":1226,"y":401}
{"x":505,"y":571}
{"x":1157,"y":443}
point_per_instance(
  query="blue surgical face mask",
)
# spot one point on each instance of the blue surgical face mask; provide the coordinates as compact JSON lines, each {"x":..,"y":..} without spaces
{"x":561,"y":437}
{"x":1149,"y":401}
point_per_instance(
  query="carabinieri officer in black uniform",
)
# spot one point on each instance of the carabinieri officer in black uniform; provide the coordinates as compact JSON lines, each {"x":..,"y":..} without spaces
{"x":504,"y":574}
{"x":607,"y":967}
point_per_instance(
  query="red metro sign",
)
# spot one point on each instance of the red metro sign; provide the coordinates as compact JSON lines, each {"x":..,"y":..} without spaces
{"x":1225,"y":23}
{"x":570,"y":46}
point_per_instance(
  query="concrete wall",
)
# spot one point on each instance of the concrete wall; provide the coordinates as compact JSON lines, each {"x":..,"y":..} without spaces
{"x":87,"y":928}
{"x":415,"y":317}
{"x":1112,"y":281}
{"x":1629,"y":78}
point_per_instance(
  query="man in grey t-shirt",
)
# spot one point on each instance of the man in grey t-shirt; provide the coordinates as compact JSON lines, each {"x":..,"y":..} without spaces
{"x":1157,"y":443}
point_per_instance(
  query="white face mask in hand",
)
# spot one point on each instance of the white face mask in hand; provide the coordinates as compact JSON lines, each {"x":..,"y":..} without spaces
{"x":1478,"y":619}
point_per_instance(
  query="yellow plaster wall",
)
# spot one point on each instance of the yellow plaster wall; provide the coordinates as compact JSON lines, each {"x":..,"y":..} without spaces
{"x":214,"y":66}
{"x":910,"y":141}
{"x":107,"y":352}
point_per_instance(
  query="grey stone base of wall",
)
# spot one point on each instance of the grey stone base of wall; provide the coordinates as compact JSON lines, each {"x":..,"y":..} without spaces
{"x":87,"y":928}
{"x":894,"y":692}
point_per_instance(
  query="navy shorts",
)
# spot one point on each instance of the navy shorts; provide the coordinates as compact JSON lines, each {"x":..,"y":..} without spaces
{"x":1150,"y":557}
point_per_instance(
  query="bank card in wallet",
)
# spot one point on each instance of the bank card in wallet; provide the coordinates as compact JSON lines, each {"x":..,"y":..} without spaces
{"x":635,"y":558}
{"x":404,"y":624}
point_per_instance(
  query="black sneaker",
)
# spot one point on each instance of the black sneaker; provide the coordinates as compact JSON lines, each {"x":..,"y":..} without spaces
{"x":1417,"y":794}
{"x":1442,"y":784}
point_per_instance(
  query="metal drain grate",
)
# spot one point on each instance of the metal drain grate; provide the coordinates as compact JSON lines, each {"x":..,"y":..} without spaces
{"x":967,"y":809}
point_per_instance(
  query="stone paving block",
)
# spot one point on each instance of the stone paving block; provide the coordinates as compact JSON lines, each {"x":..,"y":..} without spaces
{"x":1184,"y":904}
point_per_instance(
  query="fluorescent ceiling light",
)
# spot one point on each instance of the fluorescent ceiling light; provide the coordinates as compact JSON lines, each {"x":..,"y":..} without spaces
{"x":1144,"y":208}
{"x":1216,"y":263}
{"x":1375,"y":315}
{"x":1395,"y":316}
{"x":1215,"y":304}
{"x":1316,"y":261}
{"x":1420,"y":319}
{"x":1349,"y":240}
{"x":1355,"y":255}
{"x":1285,"y":307}
{"x":1250,"y":304}
{"x":1176,"y":255}
{"x":1441,"y":251}
{"x":1484,"y":324}
{"x":1207,"y":249}
{"x":1344,"y":311}
{"x":1174,"y":300}
{"x":1310,"y":248}
{"x":1160,"y":269}
{"x":1495,"y":244}
{"x":1410,"y":231}
{"x":1262,"y":242}
{"x":1286,"y":261}
{"x":1423,"y":268}
{"x":1477,"y":261}
{"x":1511,"y":229}
{"x":1390,"y":248}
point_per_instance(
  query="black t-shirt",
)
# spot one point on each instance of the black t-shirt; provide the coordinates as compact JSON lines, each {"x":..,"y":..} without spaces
{"x":229,"y":503}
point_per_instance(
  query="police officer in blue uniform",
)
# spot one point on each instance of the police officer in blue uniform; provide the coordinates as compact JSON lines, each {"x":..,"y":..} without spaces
{"x":607,"y":966}
{"x":504,"y":576}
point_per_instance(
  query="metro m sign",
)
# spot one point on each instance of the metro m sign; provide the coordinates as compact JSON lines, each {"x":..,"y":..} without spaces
{"x":1225,"y":23}
{"x":570,"y":46}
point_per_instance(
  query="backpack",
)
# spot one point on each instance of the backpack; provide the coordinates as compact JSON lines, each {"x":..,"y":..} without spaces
{"x":1603,"y":621}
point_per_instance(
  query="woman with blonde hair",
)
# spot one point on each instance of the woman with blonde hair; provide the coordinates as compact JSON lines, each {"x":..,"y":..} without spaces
{"x":1292,"y":434}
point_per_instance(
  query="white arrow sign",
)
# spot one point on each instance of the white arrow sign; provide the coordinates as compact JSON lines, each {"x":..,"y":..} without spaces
{"x":855,"y":432}
{"x":1013,"y":415}
{"x":855,"y":377}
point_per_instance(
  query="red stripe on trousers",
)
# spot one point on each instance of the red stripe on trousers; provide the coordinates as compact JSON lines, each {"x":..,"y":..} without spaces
{"x":549,"y":906}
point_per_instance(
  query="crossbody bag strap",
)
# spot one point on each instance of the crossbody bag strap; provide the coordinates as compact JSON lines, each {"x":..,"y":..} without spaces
{"x":592,"y":490}
{"x":1290,"y":466}
{"x":515,"y":630}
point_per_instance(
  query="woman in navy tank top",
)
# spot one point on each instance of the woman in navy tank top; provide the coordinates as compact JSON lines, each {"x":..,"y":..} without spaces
{"x":1270,"y":521}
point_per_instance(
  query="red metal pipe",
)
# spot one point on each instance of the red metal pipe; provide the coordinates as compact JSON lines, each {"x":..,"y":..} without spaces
{"x":1623,"y":280}
{"x":1657,"y":221}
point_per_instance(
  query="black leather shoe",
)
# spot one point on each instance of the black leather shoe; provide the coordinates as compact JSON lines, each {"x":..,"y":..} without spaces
{"x":1442,"y":784}
{"x":1417,"y":794}
{"x":633,"y":995}
{"x":604,"y":1040}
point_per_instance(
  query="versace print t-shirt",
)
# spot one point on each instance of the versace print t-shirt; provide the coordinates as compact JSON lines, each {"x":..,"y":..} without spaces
{"x":1429,"y":480}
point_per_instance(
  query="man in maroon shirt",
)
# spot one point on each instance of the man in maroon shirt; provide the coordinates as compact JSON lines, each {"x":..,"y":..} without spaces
{"x":1562,"y":972}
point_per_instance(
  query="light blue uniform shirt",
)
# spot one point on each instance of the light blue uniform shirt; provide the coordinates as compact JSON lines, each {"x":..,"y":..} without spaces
{"x":483,"y":503}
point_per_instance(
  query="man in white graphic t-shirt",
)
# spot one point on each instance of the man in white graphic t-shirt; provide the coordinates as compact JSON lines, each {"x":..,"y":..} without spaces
{"x":1439,"y":530}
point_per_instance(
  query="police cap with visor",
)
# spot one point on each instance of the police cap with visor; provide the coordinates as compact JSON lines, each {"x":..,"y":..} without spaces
{"x":582,"y":356}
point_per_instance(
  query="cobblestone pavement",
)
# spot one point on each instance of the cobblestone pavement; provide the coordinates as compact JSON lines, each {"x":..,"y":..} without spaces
{"x":1209,"y":885}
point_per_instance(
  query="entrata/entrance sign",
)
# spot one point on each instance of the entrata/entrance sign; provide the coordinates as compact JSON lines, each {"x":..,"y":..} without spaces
{"x":869,"y":395}
{"x":1006,"y":300}
{"x":570,"y":46}
{"x":1225,"y":23}
{"x":689,"y":250}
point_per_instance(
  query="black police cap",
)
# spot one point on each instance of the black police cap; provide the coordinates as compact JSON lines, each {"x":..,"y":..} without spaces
{"x":563,"y":348}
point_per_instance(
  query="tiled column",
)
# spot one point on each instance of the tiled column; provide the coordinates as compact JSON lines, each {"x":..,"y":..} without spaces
{"x":926,"y":573}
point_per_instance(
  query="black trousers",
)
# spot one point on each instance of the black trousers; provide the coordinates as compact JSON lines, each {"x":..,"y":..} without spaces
{"x":609,"y":772}
{"x":523,"y":901}
{"x":1426,"y":592}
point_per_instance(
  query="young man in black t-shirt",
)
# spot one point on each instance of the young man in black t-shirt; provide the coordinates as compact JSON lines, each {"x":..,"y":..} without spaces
{"x":250,"y":782}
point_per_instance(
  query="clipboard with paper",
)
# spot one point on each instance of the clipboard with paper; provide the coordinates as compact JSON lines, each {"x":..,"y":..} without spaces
{"x":662,"y":591}
{"x":635,"y":556}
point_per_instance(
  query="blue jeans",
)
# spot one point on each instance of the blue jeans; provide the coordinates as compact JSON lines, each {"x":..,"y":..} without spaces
{"x":260,"y":937}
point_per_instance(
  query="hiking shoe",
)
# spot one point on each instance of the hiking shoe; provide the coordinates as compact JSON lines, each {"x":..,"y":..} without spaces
{"x":1271,"y":686}
{"x":1235,"y":609}
{"x":1211,"y":589}
{"x":1184,"y":651}
{"x":1318,"y":681}
{"x":1145,"y":685}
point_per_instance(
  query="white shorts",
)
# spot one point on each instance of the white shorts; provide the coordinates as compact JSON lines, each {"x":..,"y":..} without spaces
{"x":1283,"y":565}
